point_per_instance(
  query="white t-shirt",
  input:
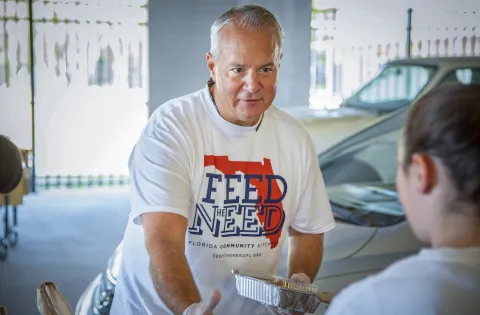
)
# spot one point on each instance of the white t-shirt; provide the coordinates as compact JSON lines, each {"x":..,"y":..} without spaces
{"x":240,"y":189}
{"x":434,"y":282}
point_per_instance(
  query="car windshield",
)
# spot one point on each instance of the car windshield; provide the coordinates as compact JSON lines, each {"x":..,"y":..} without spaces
{"x":360,"y":174}
{"x":394,"y":87}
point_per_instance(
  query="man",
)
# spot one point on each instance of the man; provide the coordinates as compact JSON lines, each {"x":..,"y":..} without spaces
{"x":439,"y":187}
{"x":219,"y":179}
{"x":10,"y":166}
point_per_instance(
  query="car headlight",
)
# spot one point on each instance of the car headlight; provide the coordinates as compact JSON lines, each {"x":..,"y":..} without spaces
{"x":113,"y":266}
{"x":104,"y":292}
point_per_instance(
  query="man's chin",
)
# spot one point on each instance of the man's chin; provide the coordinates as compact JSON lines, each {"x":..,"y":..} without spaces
{"x":251,"y":116}
{"x":246,"y":122}
{"x":251,"y":120}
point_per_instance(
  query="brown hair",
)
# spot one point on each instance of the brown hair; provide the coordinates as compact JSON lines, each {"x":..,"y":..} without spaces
{"x":445,"y":123}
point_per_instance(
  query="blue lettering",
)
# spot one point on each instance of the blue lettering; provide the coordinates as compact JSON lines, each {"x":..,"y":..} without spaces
{"x":220,"y":212}
{"x":210,"y":188}
{"x":270,"y":178}
{"x":212,"y":223}
{"x":270,"y":212}
{"x":229,"y":228}
{"x":229,"y":189}
{"x":249,"y":189}
{"x":237,"y":220}
{"x":250,"y":222}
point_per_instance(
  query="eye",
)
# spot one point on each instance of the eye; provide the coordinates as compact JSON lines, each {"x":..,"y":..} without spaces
{"x":267,"y":69}
{"x":236,"y":70}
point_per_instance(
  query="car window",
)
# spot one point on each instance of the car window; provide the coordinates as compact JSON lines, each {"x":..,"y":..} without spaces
{"x":463,"y":75}
{"x":360,"y":175}
{"x":373,"y":160}
{"x":396,"y":83}
{"x":366,"y":156}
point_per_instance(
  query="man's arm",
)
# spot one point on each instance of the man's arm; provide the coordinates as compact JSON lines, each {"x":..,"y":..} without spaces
{"x":305,"y":253}
{"x":171,"y":275}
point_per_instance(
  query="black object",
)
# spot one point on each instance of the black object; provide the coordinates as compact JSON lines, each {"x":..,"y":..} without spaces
{"x":409,"y":33}
{"x":10,"y":165}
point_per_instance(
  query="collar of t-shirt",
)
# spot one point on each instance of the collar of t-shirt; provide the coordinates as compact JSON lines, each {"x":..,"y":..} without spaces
{"x":223,"y":124}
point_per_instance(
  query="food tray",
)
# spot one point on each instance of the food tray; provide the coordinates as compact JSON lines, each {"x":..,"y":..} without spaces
{"x":277,"y":291}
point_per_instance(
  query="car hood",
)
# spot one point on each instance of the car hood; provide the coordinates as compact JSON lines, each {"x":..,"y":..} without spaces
{"x":305,"y":113}
{"x":346,"y":240}
{"x":342,"y":242}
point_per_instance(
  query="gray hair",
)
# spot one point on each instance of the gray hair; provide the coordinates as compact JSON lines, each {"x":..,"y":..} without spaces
{"x":249,"y":17}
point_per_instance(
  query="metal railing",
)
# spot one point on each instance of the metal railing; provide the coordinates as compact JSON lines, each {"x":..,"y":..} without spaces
{"x":82,"y":181}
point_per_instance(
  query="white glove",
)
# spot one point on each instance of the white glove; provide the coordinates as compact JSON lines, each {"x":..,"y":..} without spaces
{"x":298,"y":277}
{"x":204,"y":307}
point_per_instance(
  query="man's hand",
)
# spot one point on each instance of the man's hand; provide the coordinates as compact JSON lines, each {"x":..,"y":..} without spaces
{"x":205,"y":307}
{"x":299,"y":277}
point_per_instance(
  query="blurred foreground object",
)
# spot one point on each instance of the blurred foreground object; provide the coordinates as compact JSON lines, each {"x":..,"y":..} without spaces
{"x":50,"y":301}
{"x":10,"y":165}
{"x":3,"y":310}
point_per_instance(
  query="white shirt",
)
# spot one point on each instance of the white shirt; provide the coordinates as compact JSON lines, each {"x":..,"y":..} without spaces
{"x":434,"y":282}
{"x":240,"y":189}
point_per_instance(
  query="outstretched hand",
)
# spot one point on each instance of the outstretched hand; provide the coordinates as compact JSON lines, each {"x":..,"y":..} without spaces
{"x":204,"y":307}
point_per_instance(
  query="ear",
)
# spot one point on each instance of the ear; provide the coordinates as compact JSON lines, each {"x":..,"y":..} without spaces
{"x":423,"y":172}
{"x":211,"y":65}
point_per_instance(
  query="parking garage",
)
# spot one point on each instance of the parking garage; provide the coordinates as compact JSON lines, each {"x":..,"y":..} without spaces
{"x":80,"y":80}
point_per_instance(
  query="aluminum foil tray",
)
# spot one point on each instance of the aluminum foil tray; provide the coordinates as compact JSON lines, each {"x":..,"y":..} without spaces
{"x":277,"y":291}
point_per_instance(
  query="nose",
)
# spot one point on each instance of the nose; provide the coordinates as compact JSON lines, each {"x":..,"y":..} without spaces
{"x":252,"y":82}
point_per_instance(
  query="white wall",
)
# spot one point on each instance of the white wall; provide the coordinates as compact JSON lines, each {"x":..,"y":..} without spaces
{"x":179,"y":38}
{"x":80,"y":128}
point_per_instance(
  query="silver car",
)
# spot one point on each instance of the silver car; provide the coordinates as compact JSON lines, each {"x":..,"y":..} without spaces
{"x":399,"y":83}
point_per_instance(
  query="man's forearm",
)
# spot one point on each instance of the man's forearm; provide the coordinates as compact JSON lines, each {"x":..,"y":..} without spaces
{"x":305,"y":253}
{"x":173,"y":278}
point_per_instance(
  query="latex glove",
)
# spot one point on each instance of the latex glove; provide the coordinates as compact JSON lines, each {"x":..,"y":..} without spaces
{"x":298,"y":277}
{"x":204,"y":307}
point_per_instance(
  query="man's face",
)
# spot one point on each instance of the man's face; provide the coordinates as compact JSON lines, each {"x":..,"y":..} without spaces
{"x":245,"y":74}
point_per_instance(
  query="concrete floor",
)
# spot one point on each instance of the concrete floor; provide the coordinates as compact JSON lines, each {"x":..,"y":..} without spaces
{"x":65,"y":237}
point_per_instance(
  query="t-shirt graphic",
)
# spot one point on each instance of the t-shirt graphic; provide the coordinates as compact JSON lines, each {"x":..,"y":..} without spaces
{"x":243,"y":215}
